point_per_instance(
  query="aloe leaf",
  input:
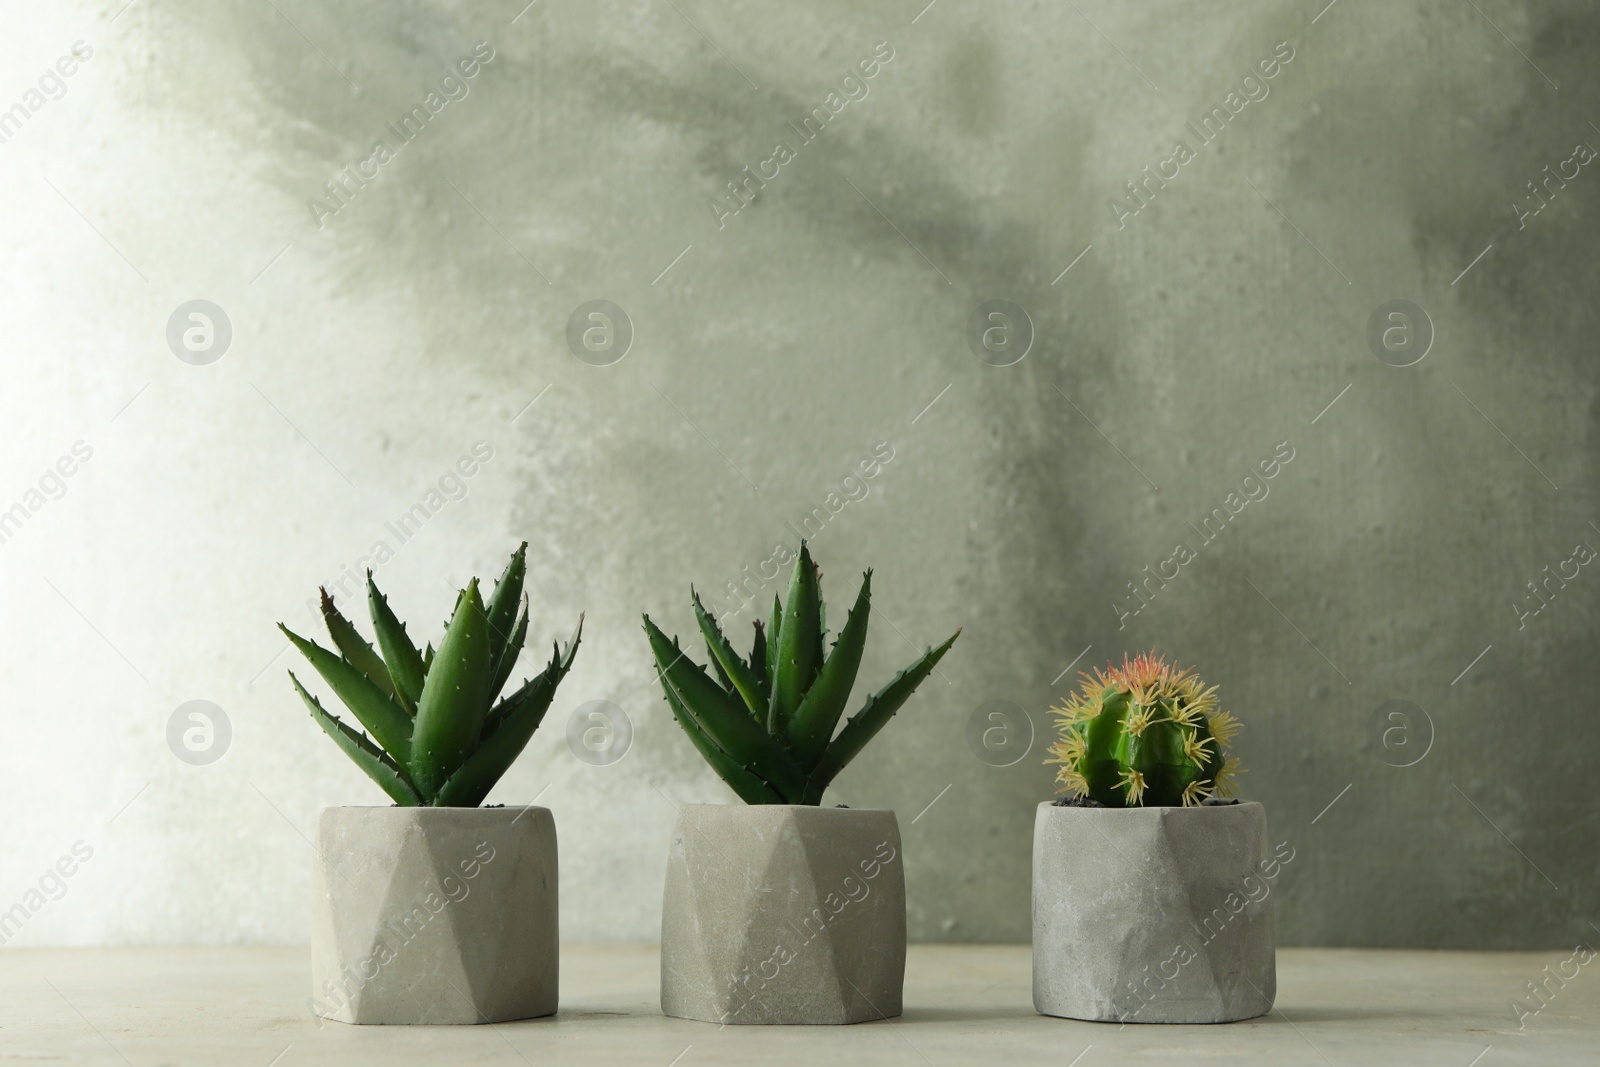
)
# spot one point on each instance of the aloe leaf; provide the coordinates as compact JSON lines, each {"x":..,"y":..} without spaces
{"x":864,"y":724}
{"x":750,"y":787}
{"x":354,"y":647}
{"x":455,"y":697}
{"x":503,"y":604}
{"x":774,"y":627}
{"x":734,"y":671}
{"x":722,"y":677}
{"x":497,"y":714}
{"x":719,"y":713}
{"x":391,"y":777}
{"x":404,"y":664}
{"x":514,"y":721}
{"x":822,"y":632}
{"x":427,"y":660}
{"x":799,"y":644}
{"x":508,"y":655}
{"x":818,"y":714}
{"x":386,"y":720}
{"x":758,"y":662}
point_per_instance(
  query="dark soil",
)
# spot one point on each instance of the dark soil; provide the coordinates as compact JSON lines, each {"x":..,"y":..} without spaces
{"x":1090,"y":802}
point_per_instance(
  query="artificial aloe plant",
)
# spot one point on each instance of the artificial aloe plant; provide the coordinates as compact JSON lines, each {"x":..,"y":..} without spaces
{"x":1144,"y":734}
{"x":766,"y":723}
{"x":440,"y":737}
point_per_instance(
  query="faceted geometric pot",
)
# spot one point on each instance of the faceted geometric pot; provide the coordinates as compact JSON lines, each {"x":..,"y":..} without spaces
{"x":778,"y":913}
{"x":434,"y":915}
{"x":1155,"y":915}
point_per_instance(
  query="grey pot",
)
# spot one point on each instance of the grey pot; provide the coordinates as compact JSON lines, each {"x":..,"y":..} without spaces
{"x":1160,"y":915}
{"x":778,"y":913}
{"x":434,"y":915}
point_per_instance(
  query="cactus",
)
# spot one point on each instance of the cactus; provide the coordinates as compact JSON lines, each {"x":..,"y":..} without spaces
{"x":766,"y":723}
{"x":439,"y":737}
{"x":1144,"y":735}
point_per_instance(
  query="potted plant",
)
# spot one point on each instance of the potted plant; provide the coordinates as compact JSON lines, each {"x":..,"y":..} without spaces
{"x":1150,"y":893}
{"x":434,"y":910}
{"x":782,"y":911}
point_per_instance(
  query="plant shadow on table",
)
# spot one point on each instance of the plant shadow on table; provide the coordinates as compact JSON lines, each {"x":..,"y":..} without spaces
{"x":1296,"y":1016}
{"x":966,"y":1015}
{"x":1354,"y":1013}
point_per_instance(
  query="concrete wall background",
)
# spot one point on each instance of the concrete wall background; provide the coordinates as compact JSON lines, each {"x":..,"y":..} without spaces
{"x":1180,"y":350}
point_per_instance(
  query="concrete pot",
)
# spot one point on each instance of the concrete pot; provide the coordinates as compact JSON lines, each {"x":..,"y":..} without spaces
{"x":778,"y":913}
{"x":434,"y":915}
{"x":1160,"y":915}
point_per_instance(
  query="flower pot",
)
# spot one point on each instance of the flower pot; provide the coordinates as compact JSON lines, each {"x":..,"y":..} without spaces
{"x":434,"y":915}
{"x":778,"y":913}
{"x":1153,"y":914}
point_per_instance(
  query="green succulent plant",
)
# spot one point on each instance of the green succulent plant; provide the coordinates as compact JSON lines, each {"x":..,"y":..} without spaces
{"x":439,"y":735}
{"x":1145,"y":734}
{"x":766,"y":724}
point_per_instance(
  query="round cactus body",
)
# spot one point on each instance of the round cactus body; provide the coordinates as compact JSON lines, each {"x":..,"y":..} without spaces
{"x":1144,"y":734}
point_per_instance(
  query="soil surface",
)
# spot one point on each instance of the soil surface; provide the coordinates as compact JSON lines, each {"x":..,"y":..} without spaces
{"x":1090,"y":802}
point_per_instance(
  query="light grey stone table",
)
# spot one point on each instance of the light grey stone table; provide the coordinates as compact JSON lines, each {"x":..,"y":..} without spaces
{"x":246,"y":1007}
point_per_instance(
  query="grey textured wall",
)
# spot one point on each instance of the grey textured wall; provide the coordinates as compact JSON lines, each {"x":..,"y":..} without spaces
{"x":1221,"y":324}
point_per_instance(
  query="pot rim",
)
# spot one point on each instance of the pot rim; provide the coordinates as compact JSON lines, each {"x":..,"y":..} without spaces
{"x":1143,"y":810}
{"x":411,"y":809}
{"x":790,"y":807}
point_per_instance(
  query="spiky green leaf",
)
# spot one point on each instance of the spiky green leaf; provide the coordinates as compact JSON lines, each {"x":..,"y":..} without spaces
{"x":774,"y":630}
{"x":399,"y":654}
{"x":719,"y":713}
{"x":735,"y":671}
{"x":758,"y":662}
{"x":508,"y":655}
{"x":746,"y":783}
{"x":455,"y":697}
{"x":507,"y":732}
{"x":872,"y":717}
{"x":390,"y":776}
{"x":384,"y":719}
{"x":354,"y":647}
{"x":722,"y":678}
{"x":503,"y":603}
{"x":799,"y":644}
{"x":818,"y":714}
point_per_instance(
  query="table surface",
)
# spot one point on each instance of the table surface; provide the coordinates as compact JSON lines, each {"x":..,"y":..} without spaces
{"x":221,"y":1007}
